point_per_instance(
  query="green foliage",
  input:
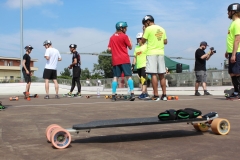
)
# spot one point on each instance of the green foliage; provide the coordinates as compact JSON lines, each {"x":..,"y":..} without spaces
{"x":66,"y":72}
{"x":64,"y":77}
{"x":104,"y":66}
{"x":85,"y":73}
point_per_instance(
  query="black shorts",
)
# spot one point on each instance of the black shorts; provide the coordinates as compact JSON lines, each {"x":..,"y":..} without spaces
{"x":27,"y":77}
{"x":234,"y":67}
{"x":142,"y":72}
{"x":49,"y":74}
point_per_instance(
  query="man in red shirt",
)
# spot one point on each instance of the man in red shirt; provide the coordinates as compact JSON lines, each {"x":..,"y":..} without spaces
{"x":119,"y":44}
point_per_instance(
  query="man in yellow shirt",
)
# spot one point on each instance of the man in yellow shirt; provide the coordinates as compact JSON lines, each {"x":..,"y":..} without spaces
{"x":233,"y":47}
{"x":140,"y":61}
{"x":156,"y":40}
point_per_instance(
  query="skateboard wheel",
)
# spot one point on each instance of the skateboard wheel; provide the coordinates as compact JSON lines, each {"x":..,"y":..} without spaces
{"x":13,"y":98}
{"x":201,"y":127}
{"x":106,"y":97}
{"x":28,"y":99}
{"x":169,"y":97}
{"x":50,"y":129}
{"x":60,"y":138}
{"x":176,"y":97}
{"x":220,"y":126}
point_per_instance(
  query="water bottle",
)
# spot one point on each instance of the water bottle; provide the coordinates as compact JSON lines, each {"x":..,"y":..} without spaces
{"x":98,"y":92}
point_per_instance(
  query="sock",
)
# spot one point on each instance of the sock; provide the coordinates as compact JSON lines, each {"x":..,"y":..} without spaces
{"x":196,"y":91}
{"x":130,"y":84}
{"x":114,"y":87}
{"x":235,"y":83}
{"x":205,"y":91}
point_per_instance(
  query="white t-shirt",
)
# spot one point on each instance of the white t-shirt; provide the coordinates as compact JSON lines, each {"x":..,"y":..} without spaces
{"x":53,"y":58}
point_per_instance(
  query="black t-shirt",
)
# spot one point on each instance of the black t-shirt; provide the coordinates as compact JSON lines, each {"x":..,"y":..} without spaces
{"x":76,"y":67}
{"x":27,"y":59}
{"x":76,"y":55}
{"x":200,"y":64}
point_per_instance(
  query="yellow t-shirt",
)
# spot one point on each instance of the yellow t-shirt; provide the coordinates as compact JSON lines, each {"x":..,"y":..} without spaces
{"x":140,"y":54}
{"x":155,"y":36}
{"x":233,"y":30}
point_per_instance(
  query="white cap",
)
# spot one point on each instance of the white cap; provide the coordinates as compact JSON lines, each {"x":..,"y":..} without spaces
{"x":139,"y":35}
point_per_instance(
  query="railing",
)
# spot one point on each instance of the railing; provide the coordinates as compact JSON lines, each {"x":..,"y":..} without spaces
{"x":188,"y":79}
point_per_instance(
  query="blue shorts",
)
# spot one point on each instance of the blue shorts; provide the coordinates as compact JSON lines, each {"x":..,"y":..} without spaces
{"x":234,"y":67}
{"x":125,"y":68}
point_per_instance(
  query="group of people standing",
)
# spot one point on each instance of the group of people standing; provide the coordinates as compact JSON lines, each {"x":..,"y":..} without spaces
{"x":148,"y":59}
{"x":52,"y":56}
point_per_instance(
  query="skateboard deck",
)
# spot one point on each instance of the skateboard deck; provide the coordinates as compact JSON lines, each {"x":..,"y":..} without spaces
{"x":61,"y":138}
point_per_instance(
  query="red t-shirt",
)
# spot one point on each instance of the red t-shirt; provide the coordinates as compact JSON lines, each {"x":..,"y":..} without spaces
{"x":118,"y":44}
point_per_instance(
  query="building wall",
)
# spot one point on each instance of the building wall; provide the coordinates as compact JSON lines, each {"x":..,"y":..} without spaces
{"x":5,"y":62}
{"x":5,"y":74}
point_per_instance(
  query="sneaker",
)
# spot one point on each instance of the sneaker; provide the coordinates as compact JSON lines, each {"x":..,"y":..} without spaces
{"x":78,"y":94}
{"x":142,"y":96}
{"x":164,"y":98}
{"x":147,"y":95}
{"x":46,"y":97}
{"x":207,"y":94}
{"x":232,"y":96}
{"x":57,"y":97}
{"x":132,"y":97}
{"x":114,"y":98}
{"x":69,"y":94}
{"x":197,"y":94}
{"x":155,"y":98}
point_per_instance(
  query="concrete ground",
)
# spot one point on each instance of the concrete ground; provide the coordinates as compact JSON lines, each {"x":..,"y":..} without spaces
{"x":23,"y":124}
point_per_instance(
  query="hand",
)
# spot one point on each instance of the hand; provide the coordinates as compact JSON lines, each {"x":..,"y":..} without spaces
{"x":133,"y":65}
{"x":226,"y":55}
{"x":31,"y":73}
{"x":233,"y":59}
{"x":70,"y":67}
{"x":143,"y":28}
{"x":27,"y":71}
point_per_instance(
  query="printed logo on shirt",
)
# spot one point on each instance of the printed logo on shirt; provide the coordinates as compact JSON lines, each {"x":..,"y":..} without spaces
{"x":159,"y":34}
{"x":139,"y":53}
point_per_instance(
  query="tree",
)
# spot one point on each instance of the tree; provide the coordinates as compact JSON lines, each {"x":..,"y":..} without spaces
{"x":104,"y":66}
{"x":85,"y":73}
{"x":66,"y":74}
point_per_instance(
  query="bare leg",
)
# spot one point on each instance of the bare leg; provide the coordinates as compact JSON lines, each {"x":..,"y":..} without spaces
{"x":204,"y":86}
{"x":196,"y":86}
{"x":56,"y":86}
{"x":28,"y":87}
{"x":163,"y":83}
{"x":47,"y":86}
{"x":155,"y":84}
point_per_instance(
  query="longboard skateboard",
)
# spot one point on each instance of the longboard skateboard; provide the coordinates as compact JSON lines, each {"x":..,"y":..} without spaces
{"x":172,"y":97}
{"x":61,"y":138}
{"x":31,"y":95}
{"x":73,"y":95}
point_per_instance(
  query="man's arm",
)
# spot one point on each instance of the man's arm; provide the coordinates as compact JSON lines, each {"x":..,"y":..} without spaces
{"x":24,"y":66}
{"x":236,"y":45}
{"x":165,"y":41}
{"x":47,"y":57}
{"x":129,"y":44}
{"x":74,"y":62}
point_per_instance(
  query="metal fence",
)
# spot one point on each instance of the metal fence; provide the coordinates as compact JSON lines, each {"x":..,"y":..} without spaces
{"x":214,"y":78}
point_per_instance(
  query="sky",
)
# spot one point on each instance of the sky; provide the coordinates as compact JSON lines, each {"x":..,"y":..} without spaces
{"x":89,"y":24}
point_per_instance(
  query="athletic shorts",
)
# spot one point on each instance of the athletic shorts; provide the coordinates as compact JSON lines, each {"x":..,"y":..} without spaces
{"x":27,"y":77}
{"x":201,"y":76}
{"x":49,"y":74}
{"x":234,"y":67}
{"x":125,"y":68}
{"x":155,"y":64}
{"x":141,"y":72}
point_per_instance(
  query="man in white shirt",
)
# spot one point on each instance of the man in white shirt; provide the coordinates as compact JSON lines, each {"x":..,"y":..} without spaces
{"x":52,"y":56}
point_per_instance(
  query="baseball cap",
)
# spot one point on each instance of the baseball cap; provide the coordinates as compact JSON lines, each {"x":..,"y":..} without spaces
{"x":203,"y":43}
